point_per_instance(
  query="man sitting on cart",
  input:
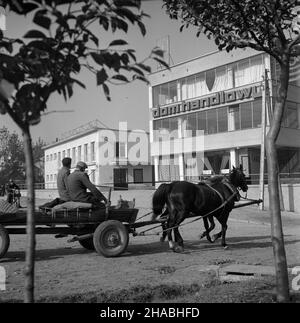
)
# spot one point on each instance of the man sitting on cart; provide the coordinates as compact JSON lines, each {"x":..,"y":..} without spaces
{"x":62,"y":180}
{"x":79,"y":182}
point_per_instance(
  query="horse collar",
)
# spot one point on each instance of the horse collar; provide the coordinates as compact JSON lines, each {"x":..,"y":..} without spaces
{"x":232,"y":188}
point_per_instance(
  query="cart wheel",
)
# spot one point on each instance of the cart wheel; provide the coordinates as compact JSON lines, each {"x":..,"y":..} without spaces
{"x":4,"y":241}
{"x":87,"y":244}
{"x":111,"y":238}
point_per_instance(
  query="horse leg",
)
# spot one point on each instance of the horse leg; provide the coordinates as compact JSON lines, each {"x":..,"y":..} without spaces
{"x":164,"y":226}
{"x":178,"y":238}
{"x":222,"y":233}
{"x":165,"y":232}
{"x":208,"y":228}
{"x":170,"y":224}
{"x":224,"y":229}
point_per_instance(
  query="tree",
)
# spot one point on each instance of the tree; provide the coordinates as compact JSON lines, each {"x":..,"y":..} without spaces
{"x":38,"y":159}
{"x":47,"y":59}
{"x":270,"y":26}
{"x":12,"y":156}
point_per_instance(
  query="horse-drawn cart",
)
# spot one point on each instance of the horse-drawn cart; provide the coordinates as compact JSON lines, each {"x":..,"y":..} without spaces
{"x":104,"y":230}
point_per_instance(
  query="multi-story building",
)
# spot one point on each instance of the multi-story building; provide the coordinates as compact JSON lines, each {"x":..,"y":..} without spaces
{"x":218,"y":100}
{"x":115,"y":157}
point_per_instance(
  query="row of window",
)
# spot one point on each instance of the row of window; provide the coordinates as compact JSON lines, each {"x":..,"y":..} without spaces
{"x":89,"y":154}
{"x":75,"y":153}
{"x":244,"y":72}
{"x":234,"y":117}
{"x":53,"y":177}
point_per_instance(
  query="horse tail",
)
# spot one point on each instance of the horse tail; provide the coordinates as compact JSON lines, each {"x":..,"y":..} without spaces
{"x":160,"y":198}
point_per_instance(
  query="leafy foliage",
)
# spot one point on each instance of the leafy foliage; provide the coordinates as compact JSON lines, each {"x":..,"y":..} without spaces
{"x":12,"y":160}
{"x":12,"y":156}
{"x":49,"y":57}
{"x":264,"y":25}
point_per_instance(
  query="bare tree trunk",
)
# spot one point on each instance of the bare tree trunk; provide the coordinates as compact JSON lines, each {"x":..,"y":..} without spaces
{"x":30,"y":252}
{"x":274,"y":194}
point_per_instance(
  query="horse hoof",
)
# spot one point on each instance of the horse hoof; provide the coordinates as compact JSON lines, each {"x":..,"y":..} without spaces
{"x":214,"y":238}
{"x":178,"y":249}
{"x":225,"y":247}
{"x":202,"y":236}
{"x":162,"y":239}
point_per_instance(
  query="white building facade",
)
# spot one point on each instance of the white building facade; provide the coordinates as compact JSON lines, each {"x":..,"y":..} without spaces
{"x":218,"y":101}
{"x":106,"y":152}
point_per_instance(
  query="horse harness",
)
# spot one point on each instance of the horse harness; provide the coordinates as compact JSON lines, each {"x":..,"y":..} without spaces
{"x":232,"y":189}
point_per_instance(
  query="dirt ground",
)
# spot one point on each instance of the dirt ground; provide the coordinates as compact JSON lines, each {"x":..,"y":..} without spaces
{"x":66,"y":268}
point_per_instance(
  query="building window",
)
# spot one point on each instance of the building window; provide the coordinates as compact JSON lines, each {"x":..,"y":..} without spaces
{"x":59,"y":157}
{"x":212,"y":124}
{"x":68,"y":152}
{"x":55,"y":156}
{"x":79,"y":153}
{"x":290,"y":117}
{"x":246,"y":115}
{"x":257,"y":110}
{"x":51,"y":178}
{"x":234,"y":111}
{"x":222,"y":119}
{"x":85,"y":152}
{"x":63,"y":154}
{"x":138,"y":176}
{"x":201,"y":118}
{"x":47,"y":178}
{"x":165,"y":93}
{"x":47,"y":157}
{"x":93,"y":157}
{"x":51,"y":157}
{"x":73,"y":155}
{"x":120,"y":149}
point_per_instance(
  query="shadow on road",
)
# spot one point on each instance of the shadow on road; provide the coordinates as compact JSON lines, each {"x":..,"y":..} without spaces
{"x":135,"y":250}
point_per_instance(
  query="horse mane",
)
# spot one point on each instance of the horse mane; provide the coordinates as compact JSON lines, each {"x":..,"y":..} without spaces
{"x":160,"y":198}
{"x":213,"y":180}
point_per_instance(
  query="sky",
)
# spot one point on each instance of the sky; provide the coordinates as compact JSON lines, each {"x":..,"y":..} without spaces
{"x":128,"y":102}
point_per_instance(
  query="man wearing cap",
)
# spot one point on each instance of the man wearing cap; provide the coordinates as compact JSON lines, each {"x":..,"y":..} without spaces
{"x":78,"y":183}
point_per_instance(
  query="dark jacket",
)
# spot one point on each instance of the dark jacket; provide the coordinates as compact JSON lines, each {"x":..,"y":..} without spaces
{"x":78,"y":183}
{"x":62,"y":184}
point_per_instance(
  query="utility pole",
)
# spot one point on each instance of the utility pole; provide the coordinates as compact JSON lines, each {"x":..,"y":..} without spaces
{"x":265,"y":89}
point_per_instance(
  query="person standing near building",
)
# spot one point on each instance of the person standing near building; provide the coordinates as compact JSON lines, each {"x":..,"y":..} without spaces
{"x":13,"y":192}
{"x":62,"y":180}
{"x":79,"y":182}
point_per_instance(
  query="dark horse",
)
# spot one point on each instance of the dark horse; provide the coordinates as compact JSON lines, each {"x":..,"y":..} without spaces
{"x":183,"y":199}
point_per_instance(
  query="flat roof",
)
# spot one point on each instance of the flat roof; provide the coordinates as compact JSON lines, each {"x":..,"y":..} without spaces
{"x":82,"y":134}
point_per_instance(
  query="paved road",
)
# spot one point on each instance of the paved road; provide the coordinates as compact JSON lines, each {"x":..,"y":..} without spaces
{"x":63,"y":268}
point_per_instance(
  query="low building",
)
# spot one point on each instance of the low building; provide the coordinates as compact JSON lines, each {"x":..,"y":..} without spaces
{"x":116,"y":158}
